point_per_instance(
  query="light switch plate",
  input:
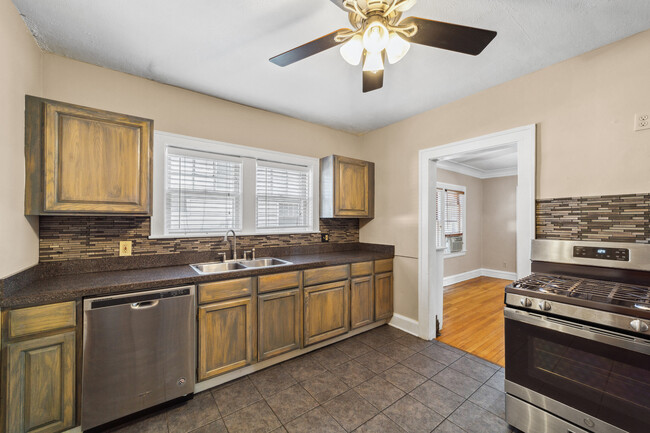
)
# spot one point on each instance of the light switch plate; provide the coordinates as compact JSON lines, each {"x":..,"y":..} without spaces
{"x":125,"y":248}
{"x":641,"y":121}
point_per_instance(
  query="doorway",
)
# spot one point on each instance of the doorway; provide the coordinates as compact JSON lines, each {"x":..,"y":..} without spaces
{"x":432,"y":250}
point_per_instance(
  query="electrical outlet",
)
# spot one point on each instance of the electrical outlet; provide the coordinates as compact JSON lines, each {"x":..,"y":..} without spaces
{"x":324,"y":237}
{"x":641,"y":122}
{"x":125,"y":248}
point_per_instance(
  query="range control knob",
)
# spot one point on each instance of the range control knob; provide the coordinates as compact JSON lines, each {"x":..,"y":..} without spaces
{"x":639,"y":325}
{"x":525,"y":302}
{"x":544,"y":306}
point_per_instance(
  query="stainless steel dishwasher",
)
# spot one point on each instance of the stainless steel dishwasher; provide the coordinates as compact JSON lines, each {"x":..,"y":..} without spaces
{"x":138,"y":352}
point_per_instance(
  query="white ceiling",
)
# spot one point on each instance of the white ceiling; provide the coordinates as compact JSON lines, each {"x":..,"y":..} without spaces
{"x":484,"y":164}
{"x":221,"y":48}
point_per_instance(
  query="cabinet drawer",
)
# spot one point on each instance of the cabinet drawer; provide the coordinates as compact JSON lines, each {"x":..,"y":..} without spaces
{"x":326,"y":275}
{"x":385,"y":265}
{"x":360,"y":269}
{"x":229,"y":289}
{"x":285,"y":280}
{"x":32,"y":320}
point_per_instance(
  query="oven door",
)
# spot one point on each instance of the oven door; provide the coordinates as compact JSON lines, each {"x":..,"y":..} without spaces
{"x":592,"y":377}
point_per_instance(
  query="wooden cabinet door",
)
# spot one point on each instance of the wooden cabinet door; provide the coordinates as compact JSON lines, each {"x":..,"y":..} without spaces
{"x":383,"y":296}
{"x":41,"y":384}
{"x":326,"y":309}
{"x":278,"y":323}
{"x":95,"y":161}
{"x":362,"y":302}
{"x":352,"y":187}
{"x":225,"y":337}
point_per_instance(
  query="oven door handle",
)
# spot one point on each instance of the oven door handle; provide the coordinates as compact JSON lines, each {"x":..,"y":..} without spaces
{"x":579,"y":330}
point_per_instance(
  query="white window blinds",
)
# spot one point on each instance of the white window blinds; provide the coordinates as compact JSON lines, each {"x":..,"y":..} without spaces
{"x":453,"y":213}
{"x":203,"y":192}
{"x":283,"y":196}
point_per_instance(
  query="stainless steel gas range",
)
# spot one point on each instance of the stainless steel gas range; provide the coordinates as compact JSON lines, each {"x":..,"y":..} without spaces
{"x":578,"y":340}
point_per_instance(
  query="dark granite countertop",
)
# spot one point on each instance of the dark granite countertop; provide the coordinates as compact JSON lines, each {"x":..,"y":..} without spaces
{"x":47,"y":283}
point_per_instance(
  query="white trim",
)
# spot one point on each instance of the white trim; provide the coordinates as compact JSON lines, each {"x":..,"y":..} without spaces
{"x":475,"y":172}
{"x":248,"y":155}
{"x":458,"y":253}
{"x":430,"y":261}
{"x":405,"y":324}
{"x":459,"y":278}
{"x":481,"y":272}
{"x":502,"y":275}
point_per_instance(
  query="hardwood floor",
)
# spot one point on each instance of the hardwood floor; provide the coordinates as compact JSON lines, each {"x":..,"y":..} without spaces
{"x":473,"y":317}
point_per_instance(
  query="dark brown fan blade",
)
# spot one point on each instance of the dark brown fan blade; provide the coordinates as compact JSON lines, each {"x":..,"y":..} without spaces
{"x":453,"y":37}
{"x":306,"y":50}
{"x":372,"y":80}
{"x":339,"y":3}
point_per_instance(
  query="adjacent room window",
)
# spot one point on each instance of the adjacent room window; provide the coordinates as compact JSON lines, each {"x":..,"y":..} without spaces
{"x":205,"y":188}
{"x":450,"y":218}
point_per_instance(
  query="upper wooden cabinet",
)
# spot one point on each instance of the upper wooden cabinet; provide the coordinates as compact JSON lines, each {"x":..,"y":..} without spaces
{"x":81,"y":160}
{"x":347,"y":188}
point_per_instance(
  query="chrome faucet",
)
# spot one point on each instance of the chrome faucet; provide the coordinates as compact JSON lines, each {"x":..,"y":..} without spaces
{"x":234,"y":243}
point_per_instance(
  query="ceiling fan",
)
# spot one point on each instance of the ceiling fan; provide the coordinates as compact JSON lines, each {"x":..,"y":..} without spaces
{"x":378,"y":34}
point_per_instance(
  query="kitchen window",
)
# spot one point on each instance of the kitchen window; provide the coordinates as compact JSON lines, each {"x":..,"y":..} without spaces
{"x":205,"y":188}
{"x":451,"y":219}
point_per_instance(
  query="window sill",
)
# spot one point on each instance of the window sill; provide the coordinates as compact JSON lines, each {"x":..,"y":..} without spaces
{"x":452,"y":255}
{"x":217,"y":235}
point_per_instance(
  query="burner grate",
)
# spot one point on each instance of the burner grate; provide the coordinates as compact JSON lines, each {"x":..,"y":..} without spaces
{"x":593,"y":290}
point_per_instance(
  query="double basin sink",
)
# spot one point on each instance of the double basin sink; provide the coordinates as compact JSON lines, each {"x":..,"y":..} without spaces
{"x":218,"y":267}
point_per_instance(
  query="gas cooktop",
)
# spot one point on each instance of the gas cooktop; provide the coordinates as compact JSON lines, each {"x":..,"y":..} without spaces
{"x":605,"y":292}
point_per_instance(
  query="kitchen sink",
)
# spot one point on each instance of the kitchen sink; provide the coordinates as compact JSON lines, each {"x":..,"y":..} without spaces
{"x":264,"y":262}
{"x":218,"y":267}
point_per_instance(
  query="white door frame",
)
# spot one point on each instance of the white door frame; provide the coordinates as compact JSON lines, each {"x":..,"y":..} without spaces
{"x":430,"y":262}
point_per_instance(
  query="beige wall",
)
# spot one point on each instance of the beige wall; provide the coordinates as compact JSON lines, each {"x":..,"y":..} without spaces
{"x":584,"y":108}
{"x":184,"y":112}
{"x":499,"y":220}
{"x":20,"y":73}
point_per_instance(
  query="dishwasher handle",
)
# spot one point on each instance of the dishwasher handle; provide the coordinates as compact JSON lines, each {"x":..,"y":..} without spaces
{"x":143,"y":305}
{"x":137,"y":301}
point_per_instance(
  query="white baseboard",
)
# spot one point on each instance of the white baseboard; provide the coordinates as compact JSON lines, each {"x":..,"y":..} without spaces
{"x":498,"y":274}
{"x":481,"y":272}
{"x":405,"y":324}
{"x":453,"y":279}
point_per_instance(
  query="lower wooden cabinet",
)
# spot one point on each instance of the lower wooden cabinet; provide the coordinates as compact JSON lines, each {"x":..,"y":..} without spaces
{"x":226,"y":339}
{"x":279,"y":321}
{"x":383,"y":296}
{"x":362,"y":302}
{"x":41,"y":384}
{"x":326,"y":309}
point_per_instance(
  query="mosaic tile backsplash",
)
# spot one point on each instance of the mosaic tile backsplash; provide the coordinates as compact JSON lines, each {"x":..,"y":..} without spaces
{"x":611,"y":218}
{"x":81,"y":237}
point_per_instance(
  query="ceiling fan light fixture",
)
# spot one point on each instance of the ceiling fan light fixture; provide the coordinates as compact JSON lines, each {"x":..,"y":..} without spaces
{"x":373,"y":62}
{"x":375,"y":37}
{"x":396,"y":48}
{"x":352,"y":50}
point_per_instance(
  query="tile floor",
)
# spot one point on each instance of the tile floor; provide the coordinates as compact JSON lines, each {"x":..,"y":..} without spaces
{"x":381,"y":381}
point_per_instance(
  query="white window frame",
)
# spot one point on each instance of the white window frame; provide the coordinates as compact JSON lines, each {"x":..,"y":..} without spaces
{"x":463,"y":204}
{"x":249,"y":157}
